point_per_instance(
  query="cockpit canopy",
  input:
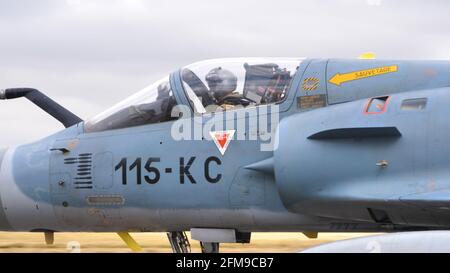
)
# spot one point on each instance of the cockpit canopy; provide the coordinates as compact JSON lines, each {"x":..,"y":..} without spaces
{"x":225,"y":84}
{"x":210,"y":86}
{"x":150,"y":105}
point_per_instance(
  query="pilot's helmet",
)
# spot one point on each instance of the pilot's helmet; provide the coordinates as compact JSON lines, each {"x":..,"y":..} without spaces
{"x":221,"y":81}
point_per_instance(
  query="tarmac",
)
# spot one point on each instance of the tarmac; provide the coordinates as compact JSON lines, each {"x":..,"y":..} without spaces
{"x":25,"y":242}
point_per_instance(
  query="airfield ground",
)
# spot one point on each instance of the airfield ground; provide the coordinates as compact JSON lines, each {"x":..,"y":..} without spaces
{"x":157,"y":242}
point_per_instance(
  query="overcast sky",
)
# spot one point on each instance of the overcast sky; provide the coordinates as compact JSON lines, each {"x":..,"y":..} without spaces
{"x":90,"y":54}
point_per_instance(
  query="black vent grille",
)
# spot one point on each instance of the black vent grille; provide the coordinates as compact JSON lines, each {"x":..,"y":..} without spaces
{"x":83,"y":178}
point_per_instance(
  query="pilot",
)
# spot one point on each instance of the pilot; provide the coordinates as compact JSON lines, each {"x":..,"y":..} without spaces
{"x":222,"y":84}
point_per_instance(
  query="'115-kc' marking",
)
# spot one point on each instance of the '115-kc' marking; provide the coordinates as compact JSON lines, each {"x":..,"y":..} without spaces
{"x":152,"y":173}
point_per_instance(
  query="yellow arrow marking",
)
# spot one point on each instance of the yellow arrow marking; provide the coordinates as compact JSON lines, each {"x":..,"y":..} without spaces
{"x":339,"y":78}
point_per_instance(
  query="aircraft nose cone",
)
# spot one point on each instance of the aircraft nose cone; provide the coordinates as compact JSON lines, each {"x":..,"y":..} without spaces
{"x":3,"y":222}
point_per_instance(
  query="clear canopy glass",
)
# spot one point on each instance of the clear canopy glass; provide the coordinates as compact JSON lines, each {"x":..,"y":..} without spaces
{"x":151,"y":105}
{"x":224,"y":84}
{"x":213,"y":85}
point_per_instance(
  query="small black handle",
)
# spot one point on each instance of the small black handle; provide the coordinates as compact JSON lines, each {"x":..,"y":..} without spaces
{"x":63,"y":150}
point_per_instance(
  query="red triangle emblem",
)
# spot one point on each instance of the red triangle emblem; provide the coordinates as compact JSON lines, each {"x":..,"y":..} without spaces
{"x":222,"y":139}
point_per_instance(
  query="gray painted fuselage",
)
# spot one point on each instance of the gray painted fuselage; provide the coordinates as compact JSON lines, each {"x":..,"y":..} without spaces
{"x":316,"y":186}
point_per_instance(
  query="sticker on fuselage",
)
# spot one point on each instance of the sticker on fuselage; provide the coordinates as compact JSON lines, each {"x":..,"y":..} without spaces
{"x":222,"y":139}
{"x":340,"y":78}
{"x":310,"y":102}
{"x":310,"y":84}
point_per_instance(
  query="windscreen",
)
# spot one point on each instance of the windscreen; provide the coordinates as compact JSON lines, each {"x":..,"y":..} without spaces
{"x":151,"y":105}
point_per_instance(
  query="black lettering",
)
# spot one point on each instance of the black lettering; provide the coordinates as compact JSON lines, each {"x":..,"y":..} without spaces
{"x":206,"y":169}
{"x":123,"y":165}
{"x":152,"y":170}
{"x":137,"y":164}
{"x":184,"y":170}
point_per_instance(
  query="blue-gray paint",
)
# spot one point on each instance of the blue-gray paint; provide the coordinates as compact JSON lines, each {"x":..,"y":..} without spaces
{"x":4,"y":224}
{"x":318,"y":184}
{"x":340,"y":177}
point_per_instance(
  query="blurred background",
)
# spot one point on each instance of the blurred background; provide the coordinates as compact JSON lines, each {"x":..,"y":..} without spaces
{"x":157,"y":242}
{"x":90,"y":54}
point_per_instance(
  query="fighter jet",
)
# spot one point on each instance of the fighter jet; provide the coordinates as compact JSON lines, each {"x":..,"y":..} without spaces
{"x":223,"y":148}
